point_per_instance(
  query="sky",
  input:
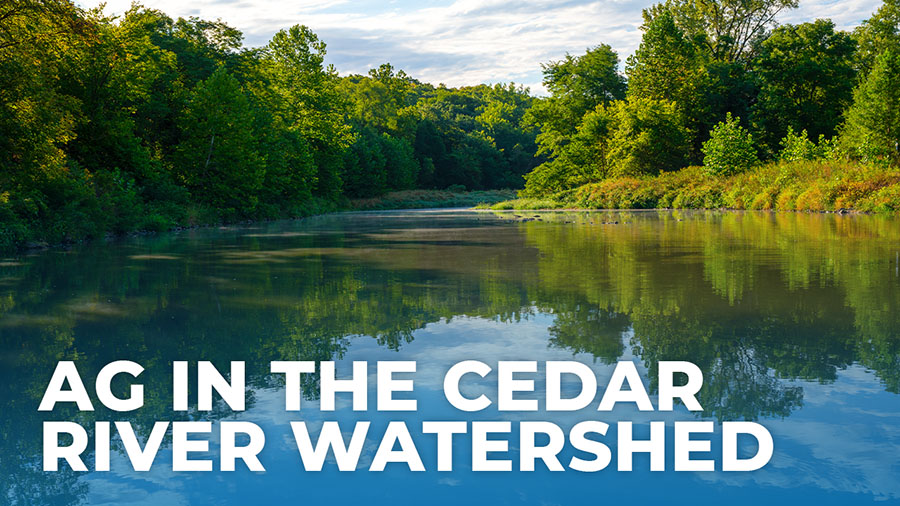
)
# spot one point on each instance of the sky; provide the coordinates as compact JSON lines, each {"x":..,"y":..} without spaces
{"x":457,"y":42}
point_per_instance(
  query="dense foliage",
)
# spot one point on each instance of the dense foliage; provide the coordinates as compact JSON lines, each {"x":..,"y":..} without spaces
{"x":719,"y":84}
{"x":144,"y":122}
{"x":729,"y":149}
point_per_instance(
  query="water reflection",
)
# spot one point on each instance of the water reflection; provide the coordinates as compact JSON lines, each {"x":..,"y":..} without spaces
{"x":770,"y":306}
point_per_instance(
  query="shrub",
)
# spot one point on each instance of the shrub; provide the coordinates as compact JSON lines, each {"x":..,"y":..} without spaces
{"x":796,"y":147}
{"x":729,"y":149}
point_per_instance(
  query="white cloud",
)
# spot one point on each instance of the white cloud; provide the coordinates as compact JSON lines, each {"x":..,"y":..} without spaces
{"x":845,"y":14}
{"x":457,"y":42}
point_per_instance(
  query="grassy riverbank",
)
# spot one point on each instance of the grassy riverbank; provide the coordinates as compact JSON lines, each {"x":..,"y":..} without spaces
{"x":785,"y":186}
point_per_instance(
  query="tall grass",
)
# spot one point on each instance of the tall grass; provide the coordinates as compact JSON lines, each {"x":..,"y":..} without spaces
{"x":785,"y":186}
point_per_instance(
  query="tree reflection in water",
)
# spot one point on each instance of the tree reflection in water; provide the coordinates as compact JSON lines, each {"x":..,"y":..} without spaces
{"x":752,"y":298}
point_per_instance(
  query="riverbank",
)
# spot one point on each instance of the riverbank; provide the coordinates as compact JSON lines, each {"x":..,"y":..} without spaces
{"x":784,"y":186}
{"x":423,"y":199}
{"x":199,"y":217}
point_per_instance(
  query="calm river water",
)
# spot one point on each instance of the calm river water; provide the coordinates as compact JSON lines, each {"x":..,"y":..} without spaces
{"x":794,"y":320}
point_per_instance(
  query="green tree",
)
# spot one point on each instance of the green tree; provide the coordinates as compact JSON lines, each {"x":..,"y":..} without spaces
{"x":878,"y":34}
{"x":580,"y":161}
{"x":122,"y":79}
{"x":796,"y":147}
{"x":573,"y":121}
{"x":727,"y":29}
{"x":37,"y":120}
{"x":383,"y":100}
{"x":730,"y":148}
{"x":806,"y":78}
{"x":872,"y":128}
{"x":290,"y":170}
{"x":586,"y":81}
{"x":364,"y":171}
{"x":648,"y":136}
{"x":400,"y":163}
{"x":217,"y":158}
{"x":303,"y":92}
{"x":666,"y":65}
{"x":501,"y":121}
{"x":577,"y":85}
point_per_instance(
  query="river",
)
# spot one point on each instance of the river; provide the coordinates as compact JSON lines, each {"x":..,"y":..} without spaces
{"x":794,"y":320}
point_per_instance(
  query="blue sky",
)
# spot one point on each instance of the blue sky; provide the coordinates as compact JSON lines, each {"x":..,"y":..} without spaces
{"x":457,"y":42}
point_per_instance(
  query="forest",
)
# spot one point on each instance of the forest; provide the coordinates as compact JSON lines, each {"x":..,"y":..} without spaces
{"x":142,"y":122}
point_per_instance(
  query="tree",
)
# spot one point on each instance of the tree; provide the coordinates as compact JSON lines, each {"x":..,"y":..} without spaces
{"x":382,"y":100}
{"x":872,"y":127}
{"x":730,"y":148}
{"x":430,"y":150}
{"x":796,"y":147}
{"x":303,"y":92}
{"x":37,"y":120}
{"x":587,"y":80}
{"x":364,"y":166}
{"x":668,"y":66}
{"x":580,"y":161}
{"x":290,"y":173}
{"x":580,"y":87}
{"x":878,"y":34}
{"x":501,"y":122}
{"x":202,"y":46}
{"x":218,"y":158}
{"x":577,"y":84}
{"x":37,"y":22}
{"x":400,"y":163}
{"x":128,"y":89}
{"x":648,"y":136}
{"x":725,"y":36}
{"x":726,"y":29}
{"x":806,"y":78}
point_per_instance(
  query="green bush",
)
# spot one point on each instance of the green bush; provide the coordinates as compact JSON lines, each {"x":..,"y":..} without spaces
{"x":796,"y":147}
{"x":729,"y":149}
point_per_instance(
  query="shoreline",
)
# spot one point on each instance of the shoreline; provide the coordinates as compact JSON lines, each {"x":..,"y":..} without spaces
{"x":352,"y":206}
{"x":801,"y":186}
{"x":36,"y":247}
{"x":657,"y":209}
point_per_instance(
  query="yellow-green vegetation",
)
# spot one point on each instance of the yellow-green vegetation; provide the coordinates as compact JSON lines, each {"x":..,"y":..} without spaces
{"x":527,"y":203}
{"x":423,"y":199}
{"x":782,"y":186}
